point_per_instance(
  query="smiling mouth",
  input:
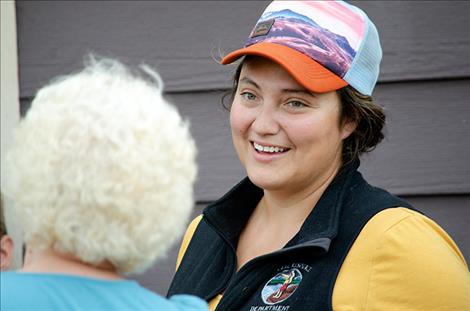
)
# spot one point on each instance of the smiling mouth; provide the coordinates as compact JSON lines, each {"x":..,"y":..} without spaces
{"x":269,"y":149}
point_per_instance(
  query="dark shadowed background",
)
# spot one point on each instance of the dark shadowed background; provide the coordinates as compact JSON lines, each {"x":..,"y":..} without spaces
{"x":424,"y":87}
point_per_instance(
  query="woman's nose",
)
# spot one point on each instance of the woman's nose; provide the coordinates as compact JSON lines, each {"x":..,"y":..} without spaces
{"x":265,"y":122}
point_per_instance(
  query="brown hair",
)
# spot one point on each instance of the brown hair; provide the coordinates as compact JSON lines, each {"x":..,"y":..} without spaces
{"x":369,"y":118}
{"x":355,"y":106}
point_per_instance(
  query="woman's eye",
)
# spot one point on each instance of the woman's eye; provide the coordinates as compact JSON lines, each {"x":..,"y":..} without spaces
{"x":248,"y":96}
{"x":296,"y":104}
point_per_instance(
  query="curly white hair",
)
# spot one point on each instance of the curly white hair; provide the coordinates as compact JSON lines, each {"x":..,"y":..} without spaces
{"x":103,"y":167}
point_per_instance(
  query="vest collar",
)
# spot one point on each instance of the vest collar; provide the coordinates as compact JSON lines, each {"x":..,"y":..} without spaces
{"x":229,"y":214}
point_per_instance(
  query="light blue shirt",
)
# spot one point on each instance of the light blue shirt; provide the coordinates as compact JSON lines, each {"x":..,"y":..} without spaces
{"x":41,"y":291}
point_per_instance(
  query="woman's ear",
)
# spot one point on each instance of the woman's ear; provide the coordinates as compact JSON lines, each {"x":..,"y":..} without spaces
{"x":347,"y":128}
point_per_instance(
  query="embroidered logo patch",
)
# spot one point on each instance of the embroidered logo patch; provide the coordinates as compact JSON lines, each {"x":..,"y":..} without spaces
{"x":262,"y":28}
{"x":281,"y":286}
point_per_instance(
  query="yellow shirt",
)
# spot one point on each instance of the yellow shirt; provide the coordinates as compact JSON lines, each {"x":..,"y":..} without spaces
{"x":401,"y":260}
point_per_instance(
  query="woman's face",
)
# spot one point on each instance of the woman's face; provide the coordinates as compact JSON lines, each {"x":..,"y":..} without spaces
{"x":286,"y":137}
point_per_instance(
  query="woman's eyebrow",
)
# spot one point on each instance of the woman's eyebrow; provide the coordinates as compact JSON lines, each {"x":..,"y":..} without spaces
{"x":288,"y":90}
{"x":249,"y":81}
{"x":301,"y":91}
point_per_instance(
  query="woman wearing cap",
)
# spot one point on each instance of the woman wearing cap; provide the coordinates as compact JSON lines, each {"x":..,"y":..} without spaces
{"x":101,"y":173}
{"x":304,"y":230}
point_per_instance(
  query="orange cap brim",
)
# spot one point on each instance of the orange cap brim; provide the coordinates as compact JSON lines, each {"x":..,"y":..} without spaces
{"x":309,"y":73}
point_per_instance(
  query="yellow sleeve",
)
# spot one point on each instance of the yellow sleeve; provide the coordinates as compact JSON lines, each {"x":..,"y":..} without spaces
{"x":403,"y":260}
{"x":187,"y":238}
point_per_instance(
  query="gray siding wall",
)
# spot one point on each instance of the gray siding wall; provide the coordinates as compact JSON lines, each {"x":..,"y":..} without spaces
{"x":425,"y":78}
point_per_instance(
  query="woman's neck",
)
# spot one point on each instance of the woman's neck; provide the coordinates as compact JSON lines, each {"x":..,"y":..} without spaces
{"x":279,"y":207}
{"x":277,"y":218}
{"x":51,"y":261}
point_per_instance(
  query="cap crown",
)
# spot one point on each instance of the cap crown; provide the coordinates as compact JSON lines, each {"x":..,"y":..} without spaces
{"x":335,"y":34}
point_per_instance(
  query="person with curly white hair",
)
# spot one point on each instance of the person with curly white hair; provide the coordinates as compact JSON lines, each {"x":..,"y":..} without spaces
{"x":101,"y":173}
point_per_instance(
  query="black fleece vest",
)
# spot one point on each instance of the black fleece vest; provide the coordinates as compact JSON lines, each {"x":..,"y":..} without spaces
{"x":300,"y":276}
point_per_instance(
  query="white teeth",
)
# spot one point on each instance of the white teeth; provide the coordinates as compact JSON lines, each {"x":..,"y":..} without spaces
{"x":258,"y":147}
{"x":270,"y":149}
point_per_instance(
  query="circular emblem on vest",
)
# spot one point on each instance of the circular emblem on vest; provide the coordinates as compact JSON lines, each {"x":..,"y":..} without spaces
{"x":281,"y":286}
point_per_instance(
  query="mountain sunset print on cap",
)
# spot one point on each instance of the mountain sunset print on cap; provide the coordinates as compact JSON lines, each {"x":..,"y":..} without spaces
{"x":330,"y":41}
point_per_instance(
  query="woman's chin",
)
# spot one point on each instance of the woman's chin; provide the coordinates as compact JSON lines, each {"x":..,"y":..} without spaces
{"x":266,"y":181}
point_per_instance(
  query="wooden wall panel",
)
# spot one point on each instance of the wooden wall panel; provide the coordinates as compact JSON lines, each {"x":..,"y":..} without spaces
{"x":427,"y":146}
{"x":421,"y":39}
{"x":176,"y":37}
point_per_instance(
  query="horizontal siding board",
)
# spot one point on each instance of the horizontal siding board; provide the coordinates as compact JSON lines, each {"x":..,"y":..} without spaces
{"x":176,"y":37}
{"x":450,"y":212}
{"x":421,"y":39}
{"x":425,"y":150}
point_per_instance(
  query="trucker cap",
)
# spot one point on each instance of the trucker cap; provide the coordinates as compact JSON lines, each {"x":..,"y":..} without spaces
{"x":324,"y":45}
